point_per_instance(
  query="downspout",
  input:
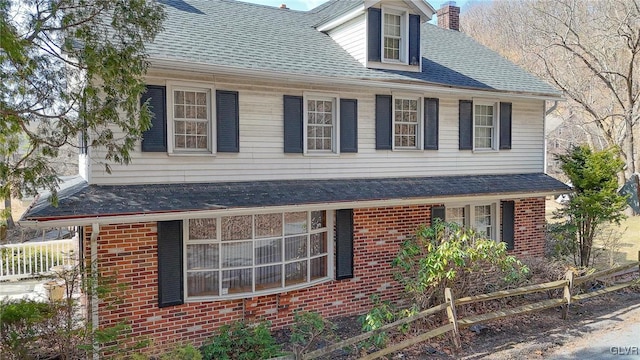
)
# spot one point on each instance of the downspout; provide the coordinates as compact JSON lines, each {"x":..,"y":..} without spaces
{"x":551,"y":109}
{"x":95,"y":231}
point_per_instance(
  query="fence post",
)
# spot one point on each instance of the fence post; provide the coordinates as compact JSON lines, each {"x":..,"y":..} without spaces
{"x":451,"y":314}
{"x":567,"y":293}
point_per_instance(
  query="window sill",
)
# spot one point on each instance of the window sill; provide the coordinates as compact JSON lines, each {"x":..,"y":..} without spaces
{"x":401,"y":149}
{"x":321,"y":154}
{"x":193,"y":154}
{"x":394,"y":62}
{"x":486,"y":151}
{"x":257,"y":293}
{"x":392,"y":66}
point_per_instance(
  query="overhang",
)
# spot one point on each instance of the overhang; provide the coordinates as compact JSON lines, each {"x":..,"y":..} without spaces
{"x":89,"y":204}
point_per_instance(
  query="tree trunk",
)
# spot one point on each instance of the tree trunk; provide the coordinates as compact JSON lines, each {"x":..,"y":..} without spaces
{"x":8,"y":213}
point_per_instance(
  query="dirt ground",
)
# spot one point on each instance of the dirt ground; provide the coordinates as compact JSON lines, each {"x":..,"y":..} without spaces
{"x":538,"y":335}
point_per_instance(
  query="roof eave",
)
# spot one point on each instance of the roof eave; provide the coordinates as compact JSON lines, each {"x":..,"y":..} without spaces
{"x":421,"y":6}
{"x":183,"y":65}
{"x":337,"y":21}
{"x":106,"y":219}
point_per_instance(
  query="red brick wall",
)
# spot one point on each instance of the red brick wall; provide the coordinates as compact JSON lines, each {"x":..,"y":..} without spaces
{"x":128,"y":253}
{"x":529,"y":227}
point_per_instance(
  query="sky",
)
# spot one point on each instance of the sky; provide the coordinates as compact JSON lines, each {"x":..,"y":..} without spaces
{"x":310,"y":4}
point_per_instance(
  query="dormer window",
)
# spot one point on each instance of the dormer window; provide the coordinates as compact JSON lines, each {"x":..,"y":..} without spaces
{"x":394,"y":39}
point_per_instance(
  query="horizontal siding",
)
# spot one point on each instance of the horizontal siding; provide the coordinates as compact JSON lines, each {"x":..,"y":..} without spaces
{"x":351,"y":36}
{"x":261,"y":155}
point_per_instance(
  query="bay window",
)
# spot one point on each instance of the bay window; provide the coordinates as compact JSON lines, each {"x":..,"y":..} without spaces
{"x":236,"y":256}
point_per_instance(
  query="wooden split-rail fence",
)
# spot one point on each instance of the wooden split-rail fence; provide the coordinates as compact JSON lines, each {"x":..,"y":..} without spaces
{"x":454,"y":325}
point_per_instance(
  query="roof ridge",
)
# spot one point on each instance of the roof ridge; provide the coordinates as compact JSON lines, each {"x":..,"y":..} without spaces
{"x":267,"y":7}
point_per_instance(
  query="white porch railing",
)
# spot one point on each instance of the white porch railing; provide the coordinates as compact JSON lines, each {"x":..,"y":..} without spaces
{"x":18,"y":261}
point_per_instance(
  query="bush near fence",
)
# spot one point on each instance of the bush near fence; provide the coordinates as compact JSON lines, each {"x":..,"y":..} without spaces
{"x":455,"y":324}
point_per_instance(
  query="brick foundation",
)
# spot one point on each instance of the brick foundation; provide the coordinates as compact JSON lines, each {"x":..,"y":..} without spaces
{"x":128,"y":254}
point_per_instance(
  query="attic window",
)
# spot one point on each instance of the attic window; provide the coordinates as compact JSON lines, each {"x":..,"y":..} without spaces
{"x":394,"y":36}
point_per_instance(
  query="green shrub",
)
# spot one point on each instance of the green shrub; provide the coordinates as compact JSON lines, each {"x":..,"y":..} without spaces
{"x":241,"y":341}
{"x":185,"y":352}
{"x":21,"y":323}
{"x":383,"y":313}
{"x":308,"y":329}
{"x":446,"y":255}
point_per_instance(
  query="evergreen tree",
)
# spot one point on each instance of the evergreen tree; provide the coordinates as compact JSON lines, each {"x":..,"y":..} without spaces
{"x":595,"y":200}
{"x":70,"y":69}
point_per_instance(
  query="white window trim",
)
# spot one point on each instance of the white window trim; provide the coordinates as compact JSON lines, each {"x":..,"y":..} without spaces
{"x":496,"y":125}
{"x":469,"y":210}
{"x":336,"y":123}
{"x":404,"y":35}
{"x":330,"y":214}
{"x":419,"y":131}
{"x":193,"y":86}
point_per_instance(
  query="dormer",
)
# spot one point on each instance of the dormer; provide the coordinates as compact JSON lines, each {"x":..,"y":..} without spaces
{"x":382,"y":34}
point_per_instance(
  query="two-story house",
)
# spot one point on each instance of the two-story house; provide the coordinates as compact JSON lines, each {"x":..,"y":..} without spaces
{"x":293,"y":151}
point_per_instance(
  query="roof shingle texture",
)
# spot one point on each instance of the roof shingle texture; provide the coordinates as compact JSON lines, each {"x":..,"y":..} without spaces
{"x":95,"y":201}
{"x":256,"y":37}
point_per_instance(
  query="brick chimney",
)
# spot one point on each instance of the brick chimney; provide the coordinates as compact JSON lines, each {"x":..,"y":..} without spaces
{"x":449,"y":16}
{"x":284,"y":6}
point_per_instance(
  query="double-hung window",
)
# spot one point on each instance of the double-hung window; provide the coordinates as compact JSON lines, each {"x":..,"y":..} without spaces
{"x":483,"y":220}
{"x":238,"y":256}
{"x":457,"y":215}
{"x":485,"y":126}
{"x":321,"y":122}
{"x":480,"y":217}
{"x":406,"y":123}
{"x":394,"y":35}
{"x":191,"y":123}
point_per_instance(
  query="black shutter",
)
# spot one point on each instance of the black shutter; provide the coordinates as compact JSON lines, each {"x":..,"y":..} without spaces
{"x":437,"y":212}
{"x":170,"y":280}
{"x":431,"y":123}
{"x":505,"y":125}
{"x":508,"y":223}
{"x":344,"y":244}
{"x":374,"y":34}
{"x":348,"y":125}
{"x":383,"y":122}
{"x":293,"y":124}
{"x":466,"y":125}
{"x":414,"y":39}
{"x":155,"y":139}
{"x":227,"y":121}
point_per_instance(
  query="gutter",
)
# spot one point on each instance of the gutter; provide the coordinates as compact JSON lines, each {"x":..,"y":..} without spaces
{"x":190,"y":66}
{"x":104,"y":219}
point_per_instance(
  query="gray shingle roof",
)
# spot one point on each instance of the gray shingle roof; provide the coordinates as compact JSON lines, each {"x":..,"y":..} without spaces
{"x":257,"y":37}
{"x":96,"y":201}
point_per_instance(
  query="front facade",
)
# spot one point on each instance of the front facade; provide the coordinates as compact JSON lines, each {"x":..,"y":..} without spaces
{"x":290,"y":155}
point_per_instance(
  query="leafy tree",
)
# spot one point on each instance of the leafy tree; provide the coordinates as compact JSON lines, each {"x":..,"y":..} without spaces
{"x":70,"y":70}
{"x":590,"y":50}
{"x":595,"y":201}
